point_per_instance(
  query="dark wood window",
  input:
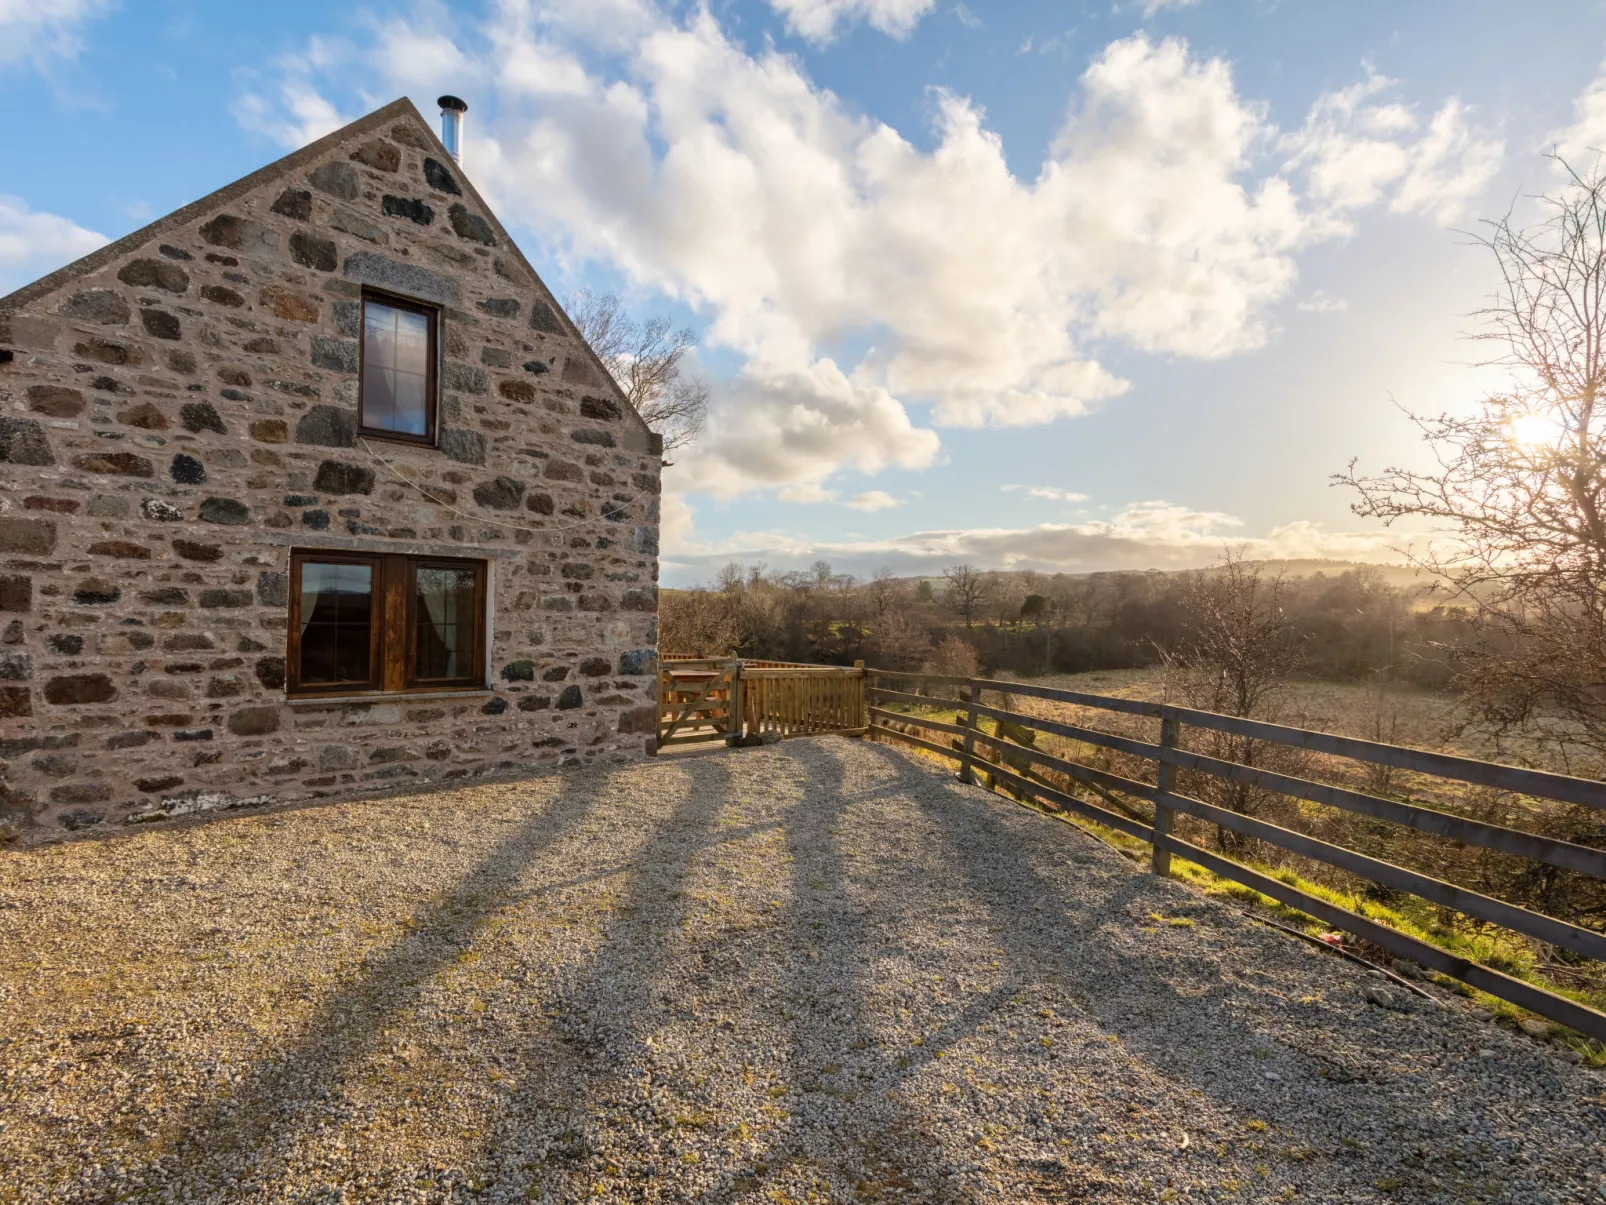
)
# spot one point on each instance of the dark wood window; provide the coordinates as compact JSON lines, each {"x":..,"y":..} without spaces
{"x":362,"y":622}
{"x":399,"y":354}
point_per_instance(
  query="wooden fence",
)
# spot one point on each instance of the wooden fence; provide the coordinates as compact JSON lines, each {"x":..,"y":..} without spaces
{"x":1022,"y":765}
{"x":702,"y":699}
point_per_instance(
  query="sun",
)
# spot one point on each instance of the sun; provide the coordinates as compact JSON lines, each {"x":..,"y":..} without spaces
{"x":1535,"y":431}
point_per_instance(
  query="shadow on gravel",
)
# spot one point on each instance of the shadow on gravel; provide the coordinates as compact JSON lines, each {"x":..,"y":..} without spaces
{"x":265,"y":1114}
{"x":604,"y":1013}
{"x":1181,"y":1036}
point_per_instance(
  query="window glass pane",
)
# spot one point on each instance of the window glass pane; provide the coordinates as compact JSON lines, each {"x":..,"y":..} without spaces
{"x":395,"y":369}
{"x":336,"y":622}
{"x":443,"y":631}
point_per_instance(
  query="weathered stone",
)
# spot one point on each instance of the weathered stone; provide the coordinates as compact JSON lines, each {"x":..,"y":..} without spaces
{"x":596,"y":667}
{"x":78,"y":818}
{"x":439,"y":177}
{"x":636,"y":663}
{"x":371,"y":268}
{"x":65,"y":643}
{"x":192,"y":734}
{"x":338,"y":477}
{"x":109,"y":506}
{"x":415,"y":211}
{"x":72,"y":690}
{"x":517,"y":391}
{"x":174,"y":252}
{"x":118,"y":463}
{"x":96,"y":592}
{"x":154,"y":274}
{"x":254,"y":721}
{"x":496,"y":706}
{"x":535,"y":702}
{"x":106,"y":351}
{"x":542,"y":318}
{"x":240,"y":234}
{"x":589,"y":435}
{"x":16,"y":592}
{"x":191,"y":550}
{"x":273,"y":588}
{"x":159,"y":783}
{"x":601,"y":409}
{"x":125,"y":550}
{"x":519,"y":671}
{"x":97,"y":305}
{"x":464,"y":446}
{"x":16,"y":702}
{"x":186,"y":470}
{"x":222,"y":295}
{"x":556,"y":673}
{"x":56,"y":401}
{"x":147,"y":416}
{"x":159,"y":324}
{"x":262,"y":346}
{"x":27,"y":537}
{"x":131,"y":740}
{"x":270,"y":672}
{"x":224,"y":597}
{"x":569,"y":699}
{"x":294,"y":203}
{"x":357,"y":226}
{"x":639,"y":720}
{"x":536,"y":367}
{"x":500,"y":493}
{"x":379,"y":155}
{"x":467,"y":378}
{"x":166,"y":596}
{"x":289,"y":305}
{"x":614,"y":512}
{"x":227,"y":511}
{"x":541,"y":504}
{"x":337,"y":179}
{"x":15,"y":667}
{"x":312,"y":252}
{"x":563,"y":470}
{"x":336,"y":355}
{"x":180,"y":361}
{"x":23,"y":441}
{"x":640,"y":600}
{"x":500,"y":307}
{"x":201,"y":416}
{"x":469,"y":225}
{"x":315,"y":520}
{"x":270,"y":431}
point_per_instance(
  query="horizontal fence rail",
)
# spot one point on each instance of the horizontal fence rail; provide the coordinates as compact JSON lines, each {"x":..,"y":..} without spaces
{"x":1009,"y":758}
{"x":739,"y":702}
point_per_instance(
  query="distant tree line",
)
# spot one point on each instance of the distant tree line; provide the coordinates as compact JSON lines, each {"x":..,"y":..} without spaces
{"x":1346,"y":625}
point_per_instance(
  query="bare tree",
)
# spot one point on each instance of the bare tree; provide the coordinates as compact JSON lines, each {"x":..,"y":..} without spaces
{"x":1238,"y":649}
{"x":644,"y":358}
{"x":884,"y":590}
{"x":967,"y":591}
{"x":1519,"y":494}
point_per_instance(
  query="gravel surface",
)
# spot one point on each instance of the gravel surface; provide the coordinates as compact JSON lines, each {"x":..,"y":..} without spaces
{"x":819,"y":971}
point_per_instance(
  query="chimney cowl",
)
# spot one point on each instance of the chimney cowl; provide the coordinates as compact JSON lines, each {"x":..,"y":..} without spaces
{"x":452,"y":110}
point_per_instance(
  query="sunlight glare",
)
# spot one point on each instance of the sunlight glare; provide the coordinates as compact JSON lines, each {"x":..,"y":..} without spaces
{"x":1536,"y":430}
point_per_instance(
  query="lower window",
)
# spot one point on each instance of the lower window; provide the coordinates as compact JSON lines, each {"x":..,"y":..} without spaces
{"x":391,"y":623}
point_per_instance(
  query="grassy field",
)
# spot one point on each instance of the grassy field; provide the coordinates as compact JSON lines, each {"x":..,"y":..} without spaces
{"x":1418,"y":719}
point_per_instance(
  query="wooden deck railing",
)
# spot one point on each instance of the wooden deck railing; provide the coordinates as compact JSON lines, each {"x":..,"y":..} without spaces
{"x":704,"y":699}
{"x":1020,"y":767}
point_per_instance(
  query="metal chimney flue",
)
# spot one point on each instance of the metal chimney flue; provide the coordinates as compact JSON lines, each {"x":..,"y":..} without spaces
{"x":452,"y":111}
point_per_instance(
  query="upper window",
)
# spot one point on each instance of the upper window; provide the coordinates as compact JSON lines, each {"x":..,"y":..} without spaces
{"x":398,"y":368}
{"x":382,"y":622}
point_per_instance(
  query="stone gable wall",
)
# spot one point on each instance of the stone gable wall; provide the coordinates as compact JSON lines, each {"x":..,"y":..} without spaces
{"x":175,"y":422}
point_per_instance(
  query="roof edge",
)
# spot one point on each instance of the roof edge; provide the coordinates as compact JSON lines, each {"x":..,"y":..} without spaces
{"x":102,"y":256}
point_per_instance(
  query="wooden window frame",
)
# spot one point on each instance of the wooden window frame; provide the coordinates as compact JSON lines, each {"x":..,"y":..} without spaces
{"x":432,"y":385}
{"x":392,"y":651}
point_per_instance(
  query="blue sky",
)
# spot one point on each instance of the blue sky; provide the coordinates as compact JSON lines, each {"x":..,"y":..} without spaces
{"x":1056,"y":286}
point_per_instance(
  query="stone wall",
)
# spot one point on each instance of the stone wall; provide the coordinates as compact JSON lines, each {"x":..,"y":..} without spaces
{"x":179,"y":411}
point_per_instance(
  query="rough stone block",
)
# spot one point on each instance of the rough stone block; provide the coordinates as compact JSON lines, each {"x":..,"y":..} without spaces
{"x":254,"y":721}
{"x":23,"y":441}
{"x":104,"y":306}
{"x":71,"y":690}
{"x":27,"y":537}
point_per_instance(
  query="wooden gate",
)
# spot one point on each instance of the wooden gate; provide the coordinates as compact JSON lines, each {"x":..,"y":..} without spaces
{"x":755,"y":702}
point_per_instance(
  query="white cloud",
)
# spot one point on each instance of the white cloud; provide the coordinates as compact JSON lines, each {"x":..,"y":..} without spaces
{"x":33,"y":244}
{"x":1357,"y":149}
{"x":731,"y":182}
{"x":1584,"y":141}
{"x":44,"y":29}
{"x":1147,"y":535}
{"x":817,"y":20}
{"x":873,"y":500}
{"x":1052,"y":493}
{"x":1320,"y":303}
{"x":1151,"y":8}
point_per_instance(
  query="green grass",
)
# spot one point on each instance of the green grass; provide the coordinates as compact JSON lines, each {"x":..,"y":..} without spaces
{"x":1495,"y":948}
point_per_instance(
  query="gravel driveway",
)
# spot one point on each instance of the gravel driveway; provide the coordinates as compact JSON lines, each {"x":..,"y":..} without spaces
{"x":819,"y":971}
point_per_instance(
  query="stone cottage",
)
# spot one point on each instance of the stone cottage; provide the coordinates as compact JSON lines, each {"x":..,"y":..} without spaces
{"x":307,"y":489}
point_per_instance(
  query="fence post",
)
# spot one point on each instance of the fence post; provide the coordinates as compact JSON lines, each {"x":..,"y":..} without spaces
{"x":966,"y":774}
{"x":733,"y":706}
{"x":1165,"y":779}
{"x":861,"y":718}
